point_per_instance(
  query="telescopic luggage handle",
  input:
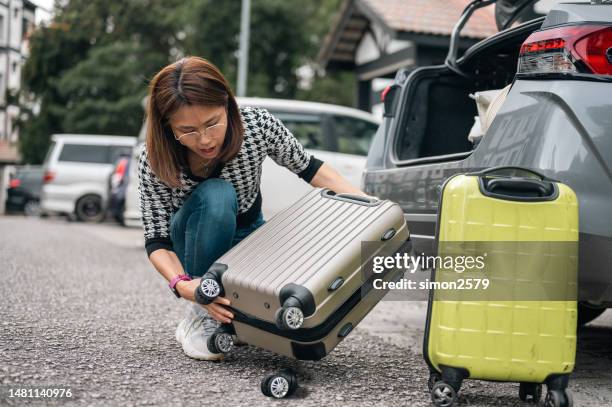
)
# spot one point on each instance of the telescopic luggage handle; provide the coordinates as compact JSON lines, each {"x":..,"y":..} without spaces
{"x":352,"y":198}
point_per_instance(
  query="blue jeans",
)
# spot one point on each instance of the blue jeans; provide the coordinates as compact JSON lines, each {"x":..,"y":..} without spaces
{"x":204,"y":228}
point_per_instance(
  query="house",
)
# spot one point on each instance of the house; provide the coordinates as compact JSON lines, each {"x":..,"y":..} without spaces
{"x":17,"y":19}
{"x":375,"y":38}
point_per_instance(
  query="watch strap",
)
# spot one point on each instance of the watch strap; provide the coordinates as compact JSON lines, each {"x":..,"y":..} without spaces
{"x":174,"y":281}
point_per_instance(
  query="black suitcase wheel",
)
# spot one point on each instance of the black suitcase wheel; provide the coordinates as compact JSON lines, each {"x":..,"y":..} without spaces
{"x":558,"y":398}
{"x":434,"y":377}
{"x":220,"y":342}
{"x":209,"y":289}
{"x":279,"y":385}
{"x":443,"y":394}
{"x":531,"y":392}
{"x":293,"y":381}
{"x":289,"y":318}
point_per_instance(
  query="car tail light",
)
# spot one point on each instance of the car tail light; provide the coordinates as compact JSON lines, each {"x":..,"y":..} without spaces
{"x":119,"y":173}
{"x":48,"y":176}
{"x":570,"y":49}
{"x":14,"y":183}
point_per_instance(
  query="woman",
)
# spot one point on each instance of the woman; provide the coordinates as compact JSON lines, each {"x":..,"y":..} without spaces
{"x":199,"y":178}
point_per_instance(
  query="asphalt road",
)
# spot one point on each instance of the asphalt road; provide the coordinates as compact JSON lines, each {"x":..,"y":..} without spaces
{"x":81,"y":307}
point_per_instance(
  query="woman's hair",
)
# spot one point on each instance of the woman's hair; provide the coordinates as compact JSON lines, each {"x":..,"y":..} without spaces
{"x":189,"y":81}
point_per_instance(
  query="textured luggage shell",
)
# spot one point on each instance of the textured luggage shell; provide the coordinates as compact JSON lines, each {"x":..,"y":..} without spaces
{"x":309,"y":245}
{"x":518,"y":341}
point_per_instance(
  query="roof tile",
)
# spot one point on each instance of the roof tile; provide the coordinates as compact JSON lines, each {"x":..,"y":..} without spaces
{"x":436,"y":17}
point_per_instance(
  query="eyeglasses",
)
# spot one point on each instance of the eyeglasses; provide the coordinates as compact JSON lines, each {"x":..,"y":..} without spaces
{"x":214,"y":131}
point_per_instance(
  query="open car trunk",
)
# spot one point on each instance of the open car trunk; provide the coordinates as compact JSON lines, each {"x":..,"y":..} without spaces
{"x":438,"y":111}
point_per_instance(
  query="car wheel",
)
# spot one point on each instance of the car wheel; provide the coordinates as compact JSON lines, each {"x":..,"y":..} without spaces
{"x":32,"y":208}
{"x":588,"y":312}
{"x":89,"y":209}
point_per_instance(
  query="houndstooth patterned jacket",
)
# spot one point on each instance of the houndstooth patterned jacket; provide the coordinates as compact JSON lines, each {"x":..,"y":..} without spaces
{"x":264,"y":135}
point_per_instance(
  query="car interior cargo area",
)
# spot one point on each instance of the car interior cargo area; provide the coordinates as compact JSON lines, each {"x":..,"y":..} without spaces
{"x":442,"y":102}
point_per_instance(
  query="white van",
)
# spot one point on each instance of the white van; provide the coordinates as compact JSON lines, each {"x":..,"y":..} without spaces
{"x":76,"y":172}
{"x":338,"y":135}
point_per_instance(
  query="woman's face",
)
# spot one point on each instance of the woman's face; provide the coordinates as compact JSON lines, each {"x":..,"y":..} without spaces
{"x":201,"y":129}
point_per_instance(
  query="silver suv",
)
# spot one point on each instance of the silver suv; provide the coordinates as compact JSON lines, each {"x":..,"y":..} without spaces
{"x":537,"y":95}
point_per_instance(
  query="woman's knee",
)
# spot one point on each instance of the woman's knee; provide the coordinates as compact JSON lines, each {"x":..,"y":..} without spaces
{"x":216,"y":194}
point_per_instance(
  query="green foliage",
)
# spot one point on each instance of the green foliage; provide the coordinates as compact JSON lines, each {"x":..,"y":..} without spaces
{"x":89,"y":68}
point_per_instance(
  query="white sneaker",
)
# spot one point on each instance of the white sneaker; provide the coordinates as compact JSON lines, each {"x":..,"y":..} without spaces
{"x":180,"y":331}
{"x":193,"y":332}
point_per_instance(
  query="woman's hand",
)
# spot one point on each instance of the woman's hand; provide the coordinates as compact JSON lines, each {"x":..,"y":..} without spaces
{"x":327,"y":177}
{"x":216,"y":309}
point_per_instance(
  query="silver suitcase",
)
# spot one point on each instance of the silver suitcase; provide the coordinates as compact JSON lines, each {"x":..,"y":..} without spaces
{"x":296,"y":284}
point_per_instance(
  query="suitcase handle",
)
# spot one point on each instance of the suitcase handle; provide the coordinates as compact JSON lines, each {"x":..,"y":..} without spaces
{"x":519,"y":189}
{"x":352,"y":198}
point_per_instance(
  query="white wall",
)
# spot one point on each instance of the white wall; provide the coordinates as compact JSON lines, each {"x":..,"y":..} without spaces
{"x":12,"y":57}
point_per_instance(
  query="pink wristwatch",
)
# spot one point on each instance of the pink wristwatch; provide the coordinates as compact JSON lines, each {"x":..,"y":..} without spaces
{"x":174,"y":281}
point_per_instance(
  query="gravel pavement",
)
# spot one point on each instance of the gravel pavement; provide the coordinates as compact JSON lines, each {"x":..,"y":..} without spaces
{"x":82,"y":307}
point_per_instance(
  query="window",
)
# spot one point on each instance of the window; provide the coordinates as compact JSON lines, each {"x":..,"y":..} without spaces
{"x":85,"y":153}
{"x":1,"y":28}
{"x":307,"y":128}
{"x":14,"y":66}
{"x":353,"y":136}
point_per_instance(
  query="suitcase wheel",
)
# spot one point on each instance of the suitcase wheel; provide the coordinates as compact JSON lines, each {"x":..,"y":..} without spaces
{"x":434,"y":377}
{"x":558,"y":398}
{"x":531,"y":392}
{"x":279,"y":385}
{"x":220,"y":342}
{"x":443,"y":394}
{"x":289,"y":318}
{"x":210,"y":289}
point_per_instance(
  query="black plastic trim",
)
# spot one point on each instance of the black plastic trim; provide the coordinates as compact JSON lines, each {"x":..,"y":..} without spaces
{"x":345,"y":330}
{"x":337,"y":283}
{"x":301,"y":294}
{"x":312,"y":351}
{"x":303,"y":334}
{"x":388,"y":235}
{"x":216,"y":271}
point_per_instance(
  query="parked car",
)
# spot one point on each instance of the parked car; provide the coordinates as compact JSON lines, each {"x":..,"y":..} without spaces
{"x":23,"y":194}
{"x":554,"y":118}
{"x":76,"y":172}
{"x":338,"y":135}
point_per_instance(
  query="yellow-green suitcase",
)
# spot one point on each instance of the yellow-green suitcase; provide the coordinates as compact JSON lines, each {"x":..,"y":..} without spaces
{"x":530,"y":224}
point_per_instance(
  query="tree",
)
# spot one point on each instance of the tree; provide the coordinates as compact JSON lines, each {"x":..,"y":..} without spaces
{"x":89,"y":68}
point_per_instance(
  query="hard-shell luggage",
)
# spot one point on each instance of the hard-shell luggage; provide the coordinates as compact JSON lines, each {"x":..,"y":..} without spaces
{"x":296,"y":284}
{"x":506,"y":335}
